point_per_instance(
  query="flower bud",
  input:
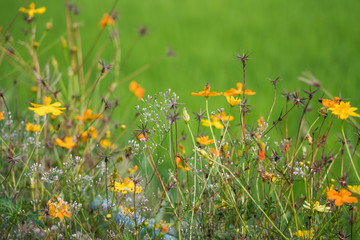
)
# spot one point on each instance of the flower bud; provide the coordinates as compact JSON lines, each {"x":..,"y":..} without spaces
{"x":49,"y":26}
{"x":186,"y":116}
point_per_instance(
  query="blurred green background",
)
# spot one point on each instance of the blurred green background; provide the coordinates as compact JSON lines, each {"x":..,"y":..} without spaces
{"x":284,"y":38}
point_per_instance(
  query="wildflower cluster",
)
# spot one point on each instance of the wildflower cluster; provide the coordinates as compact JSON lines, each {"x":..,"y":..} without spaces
{"x":78,"y":163}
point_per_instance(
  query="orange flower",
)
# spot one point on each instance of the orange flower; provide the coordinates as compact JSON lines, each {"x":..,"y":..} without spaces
{"x":136,"y":89}
{"x":182,"y":149}
{"x":341,"y":197}
{"x":180,"y":163}
{"x":222,"y":117}
{"x":85,"y":135}
{"x":68,"y":143}
{"x":238,"y":91}
{"x":141,"y":137}
{"x":344,"y":110}
{"x":88,"y":116}
{"x":106,"y":20}
{"x":59,"y":210}
{"x":206,"y":93}
{"x":330,"y":103}
{"x":2,"y":116}
{"x":262,"y":154}
{"x":204,"y":140}
{"x":32,"y":11}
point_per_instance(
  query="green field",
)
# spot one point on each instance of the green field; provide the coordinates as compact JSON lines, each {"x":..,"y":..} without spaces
{"x":283,"y":37}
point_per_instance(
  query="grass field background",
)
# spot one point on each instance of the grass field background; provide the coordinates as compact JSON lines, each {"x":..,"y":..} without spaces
{"x":284,"y":38}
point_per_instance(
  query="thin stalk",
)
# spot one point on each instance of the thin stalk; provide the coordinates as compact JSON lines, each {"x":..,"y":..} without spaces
{"x":348,"y":151}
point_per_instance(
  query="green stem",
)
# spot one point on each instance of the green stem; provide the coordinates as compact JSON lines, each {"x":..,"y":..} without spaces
{"x":348,"y":151}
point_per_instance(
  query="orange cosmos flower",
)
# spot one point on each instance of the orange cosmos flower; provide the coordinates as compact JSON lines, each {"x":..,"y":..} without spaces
{"x":2,"y":116}
{"x":180,"y":163}
{"x":86,"y":134}
{"x":68,"y":143}
{"x":136,"y":89}
{"x":238,"y":91}
{"x":206,"y":93}
{"x":55,"y":108}
{"x":106,"y":20}
{"x":32,"y":11}
{"x":341,"y":197}
{"x":204,"y":140}
{"x":344,"y":110}
{"x":330,"y":103}
{"x":59,"y":210}
{"x":88,"y":116}
{"x":222,"y":117}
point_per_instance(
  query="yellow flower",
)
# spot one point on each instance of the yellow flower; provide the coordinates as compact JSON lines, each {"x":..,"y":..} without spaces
{"x":32,"y":128}
{"x":124,"y":187}
{"x":216,"y":123}
{"x":238,"y":91}
{"x":206,"y":93}
{"x":344,"y":110}
{"x":2,"y":116}
{"x":306,"y":234}
{"x":106,"y":20}
{"x":60,"y":209}
{"x":68,"y":143}
{"x":136,"y":89}
{"x":106,"y":143}
{"x":316,"y":206}
{"x":223,"y":205}
{"x":88,"y":116}
{"x":341,"y":197}
{"x":180,"y":163}
{"x":204,"y":140}
{"x":126,"y":211}
{"x":31,"y":11}
{"x":54,"y":109}
{"x":233,"y":101}
{"x":355,"y":189}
